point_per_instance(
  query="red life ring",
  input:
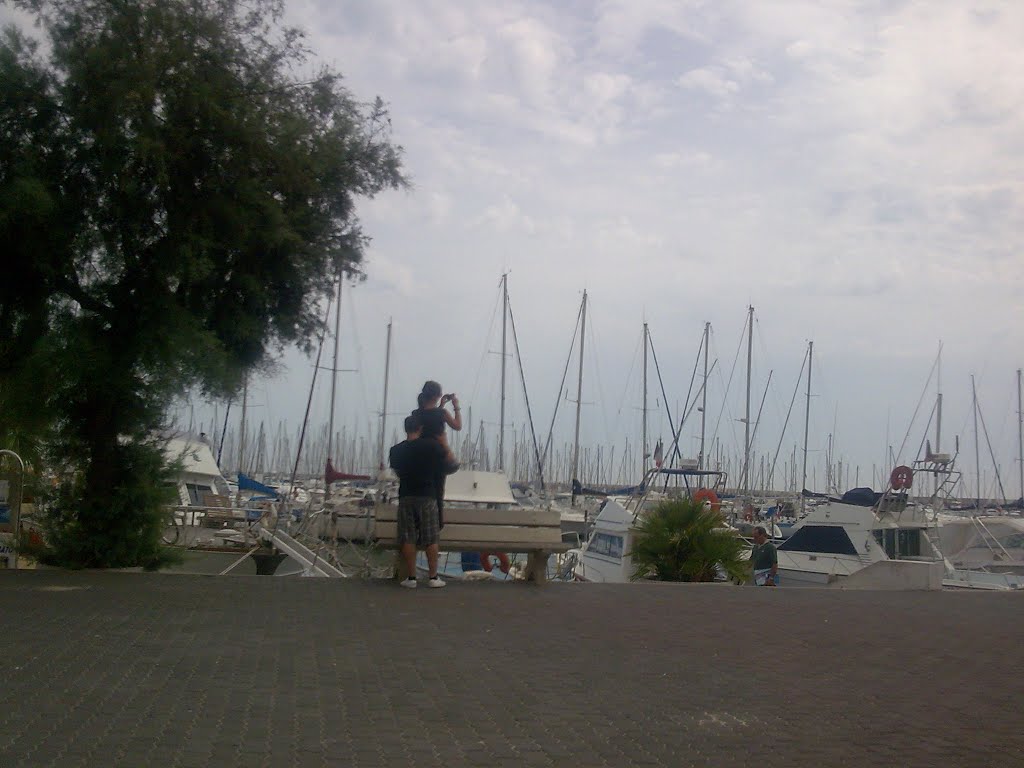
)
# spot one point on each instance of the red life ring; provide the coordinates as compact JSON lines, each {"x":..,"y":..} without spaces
{"x":710,"y":497}
{"x":503,"y":563}
{"x":901,"y":478}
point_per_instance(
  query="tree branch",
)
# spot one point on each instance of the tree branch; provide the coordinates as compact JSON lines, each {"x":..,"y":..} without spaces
{"x":70,"y":288}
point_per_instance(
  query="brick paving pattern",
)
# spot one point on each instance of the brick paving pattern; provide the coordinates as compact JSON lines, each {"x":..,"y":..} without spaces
{"x":118,"y":669}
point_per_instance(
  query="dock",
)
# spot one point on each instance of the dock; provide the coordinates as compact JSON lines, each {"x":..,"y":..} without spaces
{"x":134,"y":669}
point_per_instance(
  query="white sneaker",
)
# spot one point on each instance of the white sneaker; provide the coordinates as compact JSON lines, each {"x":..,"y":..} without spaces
{"x":409,"y":583}
{"x":436,"y":582}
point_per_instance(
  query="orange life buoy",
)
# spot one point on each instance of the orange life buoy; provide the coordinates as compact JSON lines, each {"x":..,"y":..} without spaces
{"x":901,"y":478}
{"x":708,"y":496}
{"x":503,"y":563}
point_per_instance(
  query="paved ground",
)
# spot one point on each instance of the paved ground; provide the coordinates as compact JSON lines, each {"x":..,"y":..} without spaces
{"x":115,"y":669}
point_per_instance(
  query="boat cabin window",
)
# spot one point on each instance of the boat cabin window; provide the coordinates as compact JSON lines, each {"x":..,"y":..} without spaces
{"x":605,"y":544}
{"x":899,"y":543}
{"x":195,"y":493}
{"x":826,"y":539}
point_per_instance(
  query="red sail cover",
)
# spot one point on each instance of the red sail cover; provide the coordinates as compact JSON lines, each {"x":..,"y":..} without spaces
{"x":331,"y":475}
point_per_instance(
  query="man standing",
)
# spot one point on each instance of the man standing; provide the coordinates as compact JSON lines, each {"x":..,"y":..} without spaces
{"x":764,"y":559}
{"x":418,"y":462}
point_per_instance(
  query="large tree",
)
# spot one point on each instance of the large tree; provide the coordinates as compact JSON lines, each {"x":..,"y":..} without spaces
{"x":177,"y":194}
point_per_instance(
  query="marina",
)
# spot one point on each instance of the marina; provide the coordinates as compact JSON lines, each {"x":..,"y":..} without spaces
{"x":524,"y":384}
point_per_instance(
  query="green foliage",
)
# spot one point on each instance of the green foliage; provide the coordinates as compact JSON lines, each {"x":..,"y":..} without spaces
{"x":682,"y":540}
{"x":177,"y":195}
{"x":124,"y":526}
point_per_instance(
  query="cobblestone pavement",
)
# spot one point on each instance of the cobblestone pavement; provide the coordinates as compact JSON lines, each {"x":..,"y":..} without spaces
{"x":118,"y":669}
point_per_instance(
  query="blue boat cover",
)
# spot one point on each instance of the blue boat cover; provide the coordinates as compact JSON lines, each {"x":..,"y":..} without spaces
{"x":862,"y":497}
{"x":246,"y":483}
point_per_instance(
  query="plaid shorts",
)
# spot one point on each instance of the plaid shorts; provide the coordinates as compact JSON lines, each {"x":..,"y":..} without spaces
{"x":418,"y":521}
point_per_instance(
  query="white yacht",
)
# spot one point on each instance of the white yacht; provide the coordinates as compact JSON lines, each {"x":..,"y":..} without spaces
{"x":199,"y":477}
{"x":605,"y":557}
{"x":863,"y":539}
{"x":879,"y":541}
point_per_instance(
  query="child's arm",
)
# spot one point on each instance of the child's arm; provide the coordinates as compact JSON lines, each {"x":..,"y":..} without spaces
{"x":455,"y":422}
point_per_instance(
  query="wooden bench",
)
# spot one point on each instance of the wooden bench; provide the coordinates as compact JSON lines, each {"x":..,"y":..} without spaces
{"x":535,"y":532}
{"x":218,"y":511}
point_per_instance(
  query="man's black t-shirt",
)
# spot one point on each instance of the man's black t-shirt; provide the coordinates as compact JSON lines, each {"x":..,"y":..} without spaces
{"x":433,"y":421}
{"x":418,"y":463}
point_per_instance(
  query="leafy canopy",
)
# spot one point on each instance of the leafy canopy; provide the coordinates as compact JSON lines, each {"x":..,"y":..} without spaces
{"x":178,"y":188}
{"x":683,"y":540}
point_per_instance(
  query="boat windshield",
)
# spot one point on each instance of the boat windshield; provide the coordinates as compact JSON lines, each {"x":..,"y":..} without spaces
{"x":824,"y":539}
{"x":605,"y":544}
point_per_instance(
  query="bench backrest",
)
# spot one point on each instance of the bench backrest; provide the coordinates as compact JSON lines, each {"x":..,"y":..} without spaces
{"x":216,"y":500}
{"x":478,"y":525}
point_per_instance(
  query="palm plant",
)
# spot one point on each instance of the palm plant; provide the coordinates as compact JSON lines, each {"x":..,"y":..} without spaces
{"x":683,"y":540}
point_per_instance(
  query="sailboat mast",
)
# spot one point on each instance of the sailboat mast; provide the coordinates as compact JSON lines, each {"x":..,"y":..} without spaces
{"x":938,"y":415}
{"x":241,"y":440}
{"x":704,"y":398}
{"x":1020,"y":436}
{"x":334,"y":374}
{"x":746,"y":420}
{"x":977,"y":457}
{"x":643,"y":445}
{"x":504,"y":356}
{"x":384,"y":404}
{"x":807,"y":420}
{"x":579,"y":392}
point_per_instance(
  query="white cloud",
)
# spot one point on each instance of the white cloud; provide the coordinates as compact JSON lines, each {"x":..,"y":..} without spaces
{"x":853,"y":169}
{"x":713,"y":82}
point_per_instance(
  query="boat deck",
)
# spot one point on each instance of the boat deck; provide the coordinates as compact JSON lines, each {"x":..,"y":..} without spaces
{"x":129,"y":669}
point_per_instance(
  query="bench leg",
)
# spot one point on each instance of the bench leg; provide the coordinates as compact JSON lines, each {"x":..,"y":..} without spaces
{"x":537,"y":567}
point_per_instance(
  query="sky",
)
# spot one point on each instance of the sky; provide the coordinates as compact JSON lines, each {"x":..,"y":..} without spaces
{"x":853,"y":170}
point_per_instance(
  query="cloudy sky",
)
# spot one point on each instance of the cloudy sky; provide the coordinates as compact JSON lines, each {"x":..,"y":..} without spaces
{"x":851,"y":169}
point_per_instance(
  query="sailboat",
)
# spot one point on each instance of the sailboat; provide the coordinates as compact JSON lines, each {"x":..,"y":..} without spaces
{"x":349,"y":498}
{"x":606,"y":555}
{"x":885,"y":540}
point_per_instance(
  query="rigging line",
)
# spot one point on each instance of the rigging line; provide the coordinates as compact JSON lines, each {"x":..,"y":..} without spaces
{"x":657,"y":369}
{"x":796,"y":389}
{"x":526,"y":398}
{"x":928,"y":426}
{"x":920,"y":400}
{"x":689,"y":391}
{"x":763,"y":349}
{"x":728,"y":386}
{"x":359,"y":354}
{"x":629,"y":379}
{"x":984,"y":429}
{"x":309,"y":402}
{"x":561,"y":387}
{"x":487,"y":340}
{"x":592,"y":327}
{"x":757,"y":419}
{"x":693,"y":407}
{"x":223,"y":432}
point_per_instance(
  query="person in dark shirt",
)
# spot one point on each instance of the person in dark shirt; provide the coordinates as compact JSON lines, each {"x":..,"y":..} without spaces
{"x":764,"y":559}
{"x":418,"y":461}
{"x":431,"y":409}
{"x":435,"y":418}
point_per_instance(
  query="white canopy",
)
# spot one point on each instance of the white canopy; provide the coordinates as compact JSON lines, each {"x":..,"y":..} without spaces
{"x":196,"y":457}
{"x":469,"y":485}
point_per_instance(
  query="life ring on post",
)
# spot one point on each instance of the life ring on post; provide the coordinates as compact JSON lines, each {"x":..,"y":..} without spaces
{"x":503,"y":563}
{"x":901,"y":478}
{"x":706,"y":495}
